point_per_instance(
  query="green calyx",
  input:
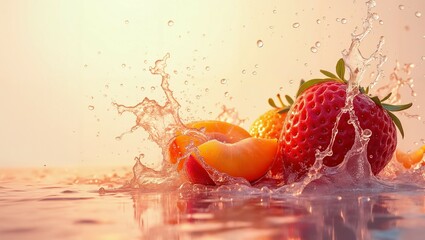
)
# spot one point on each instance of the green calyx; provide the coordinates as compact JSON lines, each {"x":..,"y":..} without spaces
{"x":339,"y":77}
{"x":283,"y":107}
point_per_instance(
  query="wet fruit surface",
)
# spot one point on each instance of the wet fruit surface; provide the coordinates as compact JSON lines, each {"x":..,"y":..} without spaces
{"x":309,"y":127}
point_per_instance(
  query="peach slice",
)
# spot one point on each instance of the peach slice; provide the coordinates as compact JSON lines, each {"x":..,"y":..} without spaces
{"x":249,"y":158}
{"x":410,"y":159}
{"x":222,"y":131}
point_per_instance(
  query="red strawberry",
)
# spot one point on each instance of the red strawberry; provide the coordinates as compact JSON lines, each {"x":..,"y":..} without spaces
{"x":310,"y":121}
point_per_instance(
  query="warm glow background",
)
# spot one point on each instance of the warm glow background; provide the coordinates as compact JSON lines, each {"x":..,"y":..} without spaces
{"x":59,"y":57}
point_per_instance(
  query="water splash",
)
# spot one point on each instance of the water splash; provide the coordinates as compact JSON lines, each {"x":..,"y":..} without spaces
{"x":161,"y":122}
{"x":355,"y":170}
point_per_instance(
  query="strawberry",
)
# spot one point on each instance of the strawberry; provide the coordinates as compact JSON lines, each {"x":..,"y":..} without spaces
{"x":310,"y":121}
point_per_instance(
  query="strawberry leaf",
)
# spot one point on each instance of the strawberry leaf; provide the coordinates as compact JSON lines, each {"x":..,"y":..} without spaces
{"x":386,"y":97}
{"x":311,"y":83}
{"x":397,"y":123}
{"x":340,"y":68}
{"x":284,"y":110}
{"x":376,"y":100}
{"x":271,"y":103}
{"x":396,"y":108}
{"x":328,"y":74}
{"x":289,"y":99}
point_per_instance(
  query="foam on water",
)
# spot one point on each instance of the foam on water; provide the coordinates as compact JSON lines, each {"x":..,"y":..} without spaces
{"x":163,"y":123}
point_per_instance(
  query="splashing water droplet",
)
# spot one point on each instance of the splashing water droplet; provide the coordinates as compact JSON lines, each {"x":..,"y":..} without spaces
{"x":418,"y":14}
{"x":223,"y":81}
{"x":91,"y":107}
{"x":296,"y":25}
{"x":260,"y":43}
{"x":343,"y":21}
{"x":170,"y":23}
{"x":313,"y":49}
{"x":401,"y":7}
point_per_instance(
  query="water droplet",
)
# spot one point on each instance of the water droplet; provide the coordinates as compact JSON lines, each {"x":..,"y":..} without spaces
{"x":375,"y":16}
{"x":318,"y":21}
{"x":367,"y":133}
{"x":317,"y":44}
{"x":126,"y":21}
{"x":243,"y":71}
{"x":142,"y":88}
{"x":401,"y":7}
{"x":170,"y":23}
{"x":423,"y":58}
{"x":256,"y":65}
{"x":152,"y":88}
{"x":254,"y":73}
{"x":102,"y":191}
{"x":186,"y":82}
{"x":370,"y":156}
{"x":313,"y":49}
{"x":339,"y":198}
{"x":338,"y":19}
{"x":260,"y":43}
{"x":106,"y":86}
{"x":418,"y":14}
{"x":291,"y":81}
{"x":207,"y":68}
{"x":91,"y":107}
{"x":223,"y":81}
{"x":274,"y":11}
{"x":296,"y":25}
{"x":123,"y":65}
{"x":343,"y":21}
{"x":226,"y":94}
{"x":85,"y":65}
{"x":118,"y":138}
{"x":381,"y":22}
{"x":207,"y":89}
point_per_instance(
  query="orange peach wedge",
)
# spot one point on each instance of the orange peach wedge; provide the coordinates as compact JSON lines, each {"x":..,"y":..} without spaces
{"x":250,"y":158}
{"x":410,"y":159}
{"x":222,"y":131}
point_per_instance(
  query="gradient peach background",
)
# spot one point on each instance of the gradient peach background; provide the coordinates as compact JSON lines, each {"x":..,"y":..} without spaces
{"x":59,"y":57}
